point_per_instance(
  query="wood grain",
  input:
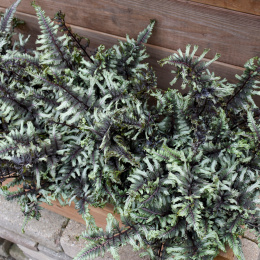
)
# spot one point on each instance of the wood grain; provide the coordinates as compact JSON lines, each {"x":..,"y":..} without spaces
{"x":156,"y":53}
{"x":228,"y":255}
{"x":246,"y":6}
{"x":69,"y":211}
{"x":235,"y":35}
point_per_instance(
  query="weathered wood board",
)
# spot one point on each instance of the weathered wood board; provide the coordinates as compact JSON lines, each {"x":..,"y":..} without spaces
{"x":156,"y":53}
{"x":235,"y":35}
{"x":69,"y":211}
{"x":246,"y":6}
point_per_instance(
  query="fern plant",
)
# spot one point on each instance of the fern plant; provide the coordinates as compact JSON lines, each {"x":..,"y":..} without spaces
{"x":183,"y":171}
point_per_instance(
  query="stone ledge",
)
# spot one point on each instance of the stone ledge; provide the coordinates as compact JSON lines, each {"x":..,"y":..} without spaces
{"x":7,"y":258}
{"x":54,"y":233}
{"x":69,"y":243}
{"x":54,"y":255}
{"x":72,"y":246}
{"x":250,"y":235}
{"x":4,"y":247}
{"x":250,"y":249}
{"x":46,"y":231}
{"x":18,"y":239}
{"x":31,"y":254}
{"x":17,"y":253}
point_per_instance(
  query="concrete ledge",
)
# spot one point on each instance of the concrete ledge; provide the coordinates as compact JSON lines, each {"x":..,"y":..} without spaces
{"x":7,"y":258}
{"x":4,"y":247}
{"x":31,"y":254}
{"x":72,"y":246}
{"x":18,"y":239}
{"x":69,"y":242}
{"x":250,"y":235}
{"x":46,"y":231}
{"x":55,"y":237}
{"x":54,"y":255}
{"x":17,"y":253}
{"x":250,"y":249}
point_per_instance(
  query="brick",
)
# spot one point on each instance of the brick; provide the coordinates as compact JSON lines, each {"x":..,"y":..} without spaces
{"x":4,"y":247}
{"x":18,"y":239}
{"x":72,"y":246}
{"x":17,"y":253}
{"x":46,"y":231}
{"x":53,"y":254}
{"x":250,"y":249}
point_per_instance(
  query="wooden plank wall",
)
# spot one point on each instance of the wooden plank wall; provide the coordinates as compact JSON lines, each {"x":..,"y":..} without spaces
{"x":245,"y":6}
{"x":233,"y":31}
